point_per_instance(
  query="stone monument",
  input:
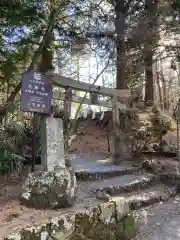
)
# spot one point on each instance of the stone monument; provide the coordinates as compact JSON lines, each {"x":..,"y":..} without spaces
{"x":55,"y":185}
{"x":52,"y":143}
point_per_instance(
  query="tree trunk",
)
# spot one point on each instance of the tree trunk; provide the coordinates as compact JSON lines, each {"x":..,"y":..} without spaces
{"x":150,"y":11}
{"x":149,"y":85}
{"x":47,"y":55}
{"x":159,"y":89}
{"x":164,"y":90}
{"x":121,"y":82}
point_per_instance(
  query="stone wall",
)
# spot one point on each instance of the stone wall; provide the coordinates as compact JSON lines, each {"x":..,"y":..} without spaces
{"x":111,"y":221}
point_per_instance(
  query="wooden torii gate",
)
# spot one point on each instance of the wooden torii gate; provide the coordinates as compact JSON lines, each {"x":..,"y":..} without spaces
{"x":64,"y":82}
{"x":115,"y":101}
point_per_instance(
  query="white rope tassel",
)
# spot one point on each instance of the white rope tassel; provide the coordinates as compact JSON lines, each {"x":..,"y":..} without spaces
{"x":85,"y":113}
{"x":94,"y":115}
{"x":102,"y":116}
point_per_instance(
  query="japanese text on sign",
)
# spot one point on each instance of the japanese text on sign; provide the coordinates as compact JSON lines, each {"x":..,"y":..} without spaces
{"x":36,"y":93}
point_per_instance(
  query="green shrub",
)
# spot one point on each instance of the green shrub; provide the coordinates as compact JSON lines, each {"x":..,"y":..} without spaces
{"x":11,"y":160}
{"x":142,"y":130}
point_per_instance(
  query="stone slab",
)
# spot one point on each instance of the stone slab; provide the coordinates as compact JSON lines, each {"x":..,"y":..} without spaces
{"x":121,"y":184}
{"x":92,"y":175}
{"x":52,"y":143}
{"x":146,"y":197}
{"x":96,"y":163}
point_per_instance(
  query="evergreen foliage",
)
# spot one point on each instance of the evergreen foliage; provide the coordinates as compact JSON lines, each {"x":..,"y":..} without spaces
{"x":126,"y":31}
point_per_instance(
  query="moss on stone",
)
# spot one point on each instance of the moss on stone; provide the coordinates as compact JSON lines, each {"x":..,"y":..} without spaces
{"x":49,"y":189}
{"x":109,"y":221}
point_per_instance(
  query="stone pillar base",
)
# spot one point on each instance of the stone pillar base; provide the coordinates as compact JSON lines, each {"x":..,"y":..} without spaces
{"x":55,"y":189}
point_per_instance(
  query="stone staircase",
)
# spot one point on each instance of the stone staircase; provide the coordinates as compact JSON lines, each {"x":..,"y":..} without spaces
{"x":140,"y":190}
{"x":101,"y":182}
{"x":149,"y":198}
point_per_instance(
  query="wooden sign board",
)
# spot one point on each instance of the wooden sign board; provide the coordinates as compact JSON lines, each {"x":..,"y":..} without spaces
{"x":36,"y":93}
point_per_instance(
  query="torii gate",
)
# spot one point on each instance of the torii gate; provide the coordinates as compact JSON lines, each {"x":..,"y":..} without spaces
{"x":118,"y":99}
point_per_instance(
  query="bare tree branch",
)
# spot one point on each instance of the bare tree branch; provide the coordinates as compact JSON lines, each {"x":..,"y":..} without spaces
{"x":94,"y":82}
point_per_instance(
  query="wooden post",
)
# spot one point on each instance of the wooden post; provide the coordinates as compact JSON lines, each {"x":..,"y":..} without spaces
{"x":177,"y":126}
{"x":119,"y":145}
{"x":34,"y":149}
{"x":116,"y":130}
{"x":67,"y":115}
{"x":94,"y":98}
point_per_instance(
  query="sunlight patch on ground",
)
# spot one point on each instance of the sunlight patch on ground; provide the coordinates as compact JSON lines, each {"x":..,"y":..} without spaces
{"x":107,"y":160}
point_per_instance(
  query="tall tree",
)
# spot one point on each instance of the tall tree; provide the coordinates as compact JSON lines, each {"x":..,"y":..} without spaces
{"x":120,"y":12}
{"x":35,"y":32}
{"x":151,"y":21}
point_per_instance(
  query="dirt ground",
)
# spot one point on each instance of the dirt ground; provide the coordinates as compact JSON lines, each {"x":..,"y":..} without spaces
{"x":160,"y":221}
{"x":14,"y":216}
{"x":91,"y":139}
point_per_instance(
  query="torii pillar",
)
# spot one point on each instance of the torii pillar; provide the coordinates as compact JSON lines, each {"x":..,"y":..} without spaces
{"x":120,"y":150}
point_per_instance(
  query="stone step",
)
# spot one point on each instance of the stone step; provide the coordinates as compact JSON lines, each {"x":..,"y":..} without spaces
{"x":127,"y":183}
{"x":147,"y":197}
{"x":103,"y":173}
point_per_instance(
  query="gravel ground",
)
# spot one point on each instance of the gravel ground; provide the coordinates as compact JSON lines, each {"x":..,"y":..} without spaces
{"x":160,"y":221}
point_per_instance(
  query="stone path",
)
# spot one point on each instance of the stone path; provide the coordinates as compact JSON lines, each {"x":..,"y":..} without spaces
{"x":96,"y":163}
{"x":145,"y":197}
{"x":156,"y":222}
{"x":96,"y":166}
{"x":118,"y":184}
{"x":160,"y":221}
{"x":14,"y":216}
